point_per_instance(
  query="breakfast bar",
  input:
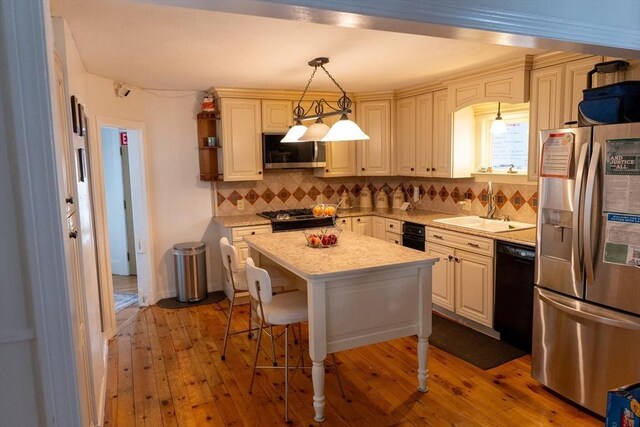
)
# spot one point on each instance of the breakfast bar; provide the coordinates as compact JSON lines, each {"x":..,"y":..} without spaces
{"x":361,"y":291}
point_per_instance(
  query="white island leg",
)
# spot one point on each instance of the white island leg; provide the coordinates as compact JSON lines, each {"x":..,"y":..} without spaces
{"x":316,"y":300}
{"x":317,"y":376}
{"x":423,"y":372}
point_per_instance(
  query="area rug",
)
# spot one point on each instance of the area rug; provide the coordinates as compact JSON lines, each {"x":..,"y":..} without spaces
{"x":123,"y":300}
{"x":211,"y":298}
{"x":471,"y":346}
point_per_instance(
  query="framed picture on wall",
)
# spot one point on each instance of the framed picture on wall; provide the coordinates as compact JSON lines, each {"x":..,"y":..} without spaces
{"x":74,"y":113}
{"x":81,"y":125}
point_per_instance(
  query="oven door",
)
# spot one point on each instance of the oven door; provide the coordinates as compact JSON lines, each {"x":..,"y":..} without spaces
{"x":413,"y":242}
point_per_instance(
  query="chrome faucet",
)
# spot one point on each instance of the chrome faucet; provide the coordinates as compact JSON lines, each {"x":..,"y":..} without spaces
{"x":491,"y":208}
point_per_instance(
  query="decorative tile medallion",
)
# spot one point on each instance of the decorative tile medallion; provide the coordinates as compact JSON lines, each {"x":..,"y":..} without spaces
{"x":455,"y":194}
{"x":469,"y":195}
{"x":234,"y":197}
{"x":500,"y":199}
{"x":432,"y":192}
{"x":252,"y":196}
{"x":299,"y":194}
{"x":268,"y":195}
{"x":284,"y":195}
{"x":517,"y":200}
{"x":328,"y":192}
{"x":443,"y":193}
{"x":483,"y":197}
{"x":356,"y":190}
{"x":220,"y":198}
{"x":313,"y":193}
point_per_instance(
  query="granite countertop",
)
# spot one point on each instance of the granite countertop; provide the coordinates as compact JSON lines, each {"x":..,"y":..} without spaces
{"x":419,"y":216}
{"x":290,"y":250}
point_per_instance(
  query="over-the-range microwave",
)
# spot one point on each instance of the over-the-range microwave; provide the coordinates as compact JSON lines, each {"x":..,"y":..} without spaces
{"x":292,"y":155}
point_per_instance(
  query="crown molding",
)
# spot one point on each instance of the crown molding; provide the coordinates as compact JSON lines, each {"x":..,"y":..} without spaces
{"x":548,"y":59}
{"x":289,"y":95}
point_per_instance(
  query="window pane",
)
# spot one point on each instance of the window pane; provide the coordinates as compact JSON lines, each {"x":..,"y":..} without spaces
{"x":511,"y":147}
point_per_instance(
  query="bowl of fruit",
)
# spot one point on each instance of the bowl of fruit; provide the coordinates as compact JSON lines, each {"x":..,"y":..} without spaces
{"x":322,"y":238}
{"x":324,"y":210}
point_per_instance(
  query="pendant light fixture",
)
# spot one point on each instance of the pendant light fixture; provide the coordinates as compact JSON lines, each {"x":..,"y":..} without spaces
{"x":498,"y":126}
{"x":343,"y":130}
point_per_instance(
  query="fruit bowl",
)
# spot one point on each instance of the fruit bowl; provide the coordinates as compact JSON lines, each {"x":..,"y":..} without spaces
{"x":324,"y":209}
{"x":322,"y":237}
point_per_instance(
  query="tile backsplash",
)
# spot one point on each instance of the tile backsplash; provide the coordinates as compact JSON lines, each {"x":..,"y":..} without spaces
{"x":301,"y":189}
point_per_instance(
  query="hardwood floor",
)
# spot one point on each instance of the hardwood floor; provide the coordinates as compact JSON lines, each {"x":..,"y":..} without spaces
{"x":164,"y":369}
{"x":125,"y":285}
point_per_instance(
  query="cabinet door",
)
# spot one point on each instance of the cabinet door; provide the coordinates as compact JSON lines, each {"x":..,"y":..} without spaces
{"x":394,"y":238}
{"x":378,"y":229}
{"x":424,"y":135}
{"x":406,"y":136}
{"x":277,"y":115}
{"x":442,"y":277}
{"x":361,"y":225}
{"x":474,"y":287}
{"x":575,"y":82}
{"x":344,"y":224}
{"x":374,"y":117}
{"x":341,"y":159}
{"x":545,"y":109}
{"x":441,"y":166}
{"x":241,"y":139}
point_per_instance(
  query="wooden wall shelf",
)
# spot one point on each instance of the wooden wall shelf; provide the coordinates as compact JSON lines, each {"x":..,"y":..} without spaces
{"x":207,"y":154}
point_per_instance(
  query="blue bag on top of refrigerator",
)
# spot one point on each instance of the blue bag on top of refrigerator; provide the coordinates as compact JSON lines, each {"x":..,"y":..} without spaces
{"x":623,"y":406}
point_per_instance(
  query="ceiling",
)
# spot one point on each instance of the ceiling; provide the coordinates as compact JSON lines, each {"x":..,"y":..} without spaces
{"x":164,"y":47}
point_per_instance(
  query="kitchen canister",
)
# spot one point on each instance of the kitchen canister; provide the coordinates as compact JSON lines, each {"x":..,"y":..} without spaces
{"x":398,"y":198}
{"x":365,"y":198}
{"x":382,"y":200}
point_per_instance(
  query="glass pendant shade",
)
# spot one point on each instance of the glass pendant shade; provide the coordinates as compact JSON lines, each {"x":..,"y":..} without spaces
{"x":498,"y":126}
{"x":345,"y":130}
{"x":294,"y":133}
{"x":315,"y":132}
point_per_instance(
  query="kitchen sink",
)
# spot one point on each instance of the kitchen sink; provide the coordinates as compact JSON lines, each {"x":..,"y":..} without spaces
{"x":484,"y":224}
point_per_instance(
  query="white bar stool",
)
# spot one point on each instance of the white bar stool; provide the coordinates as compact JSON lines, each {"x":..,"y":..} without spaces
{"x":238,"y":280}
{"x":277,"y":310}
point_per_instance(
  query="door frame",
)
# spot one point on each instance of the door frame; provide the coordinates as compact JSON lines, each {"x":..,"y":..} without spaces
{"x":141,"y":217}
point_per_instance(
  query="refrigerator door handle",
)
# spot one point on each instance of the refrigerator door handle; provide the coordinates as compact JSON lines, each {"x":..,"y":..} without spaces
{"x":617,"y":323}
{"x":588,"y":210}
{"x":578,"y":213}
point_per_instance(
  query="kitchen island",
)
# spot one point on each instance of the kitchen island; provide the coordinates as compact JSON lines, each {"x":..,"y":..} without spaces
{"x":360,"y":292}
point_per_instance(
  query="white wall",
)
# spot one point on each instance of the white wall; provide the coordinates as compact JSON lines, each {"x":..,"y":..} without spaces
{"x":181,"y":203}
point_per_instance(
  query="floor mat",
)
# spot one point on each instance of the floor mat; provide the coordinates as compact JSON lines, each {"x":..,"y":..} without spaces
{"x":211,"y":298}
{"x":471,"y":346}
{"x":123,"y":300}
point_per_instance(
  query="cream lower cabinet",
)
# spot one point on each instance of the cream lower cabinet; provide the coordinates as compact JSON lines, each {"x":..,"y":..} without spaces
{"x":361,"y":225}
{"x":463,"y":279}
{"x":236,"y":237}
{"x":393,"y":231}
{"x":241,"y":138}
{"x":377,"y":228}
{"x":344,"y":223}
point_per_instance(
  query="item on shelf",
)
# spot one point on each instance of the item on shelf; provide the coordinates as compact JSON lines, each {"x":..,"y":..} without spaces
{"x":398,"y":198}
{"x":208,"y":103}
{"x":211,"y":141}
{"x":322,"y":237}
{"x":365,"y":198}
{"x":382,"y":200}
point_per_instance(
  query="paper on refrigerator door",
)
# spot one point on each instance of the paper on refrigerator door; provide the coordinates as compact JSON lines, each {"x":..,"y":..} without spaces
{"x":622,"y":240}
{"x":622,"y":176}
{"x":557,"y":152}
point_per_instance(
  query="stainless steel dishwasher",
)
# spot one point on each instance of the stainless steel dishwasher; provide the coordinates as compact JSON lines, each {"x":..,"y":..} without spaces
{"x":513,"y":312}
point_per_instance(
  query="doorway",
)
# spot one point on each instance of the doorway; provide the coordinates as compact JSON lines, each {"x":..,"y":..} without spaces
{"x":121,"y":232}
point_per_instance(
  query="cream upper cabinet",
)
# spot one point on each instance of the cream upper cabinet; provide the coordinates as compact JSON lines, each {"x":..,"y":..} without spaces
{"x":442,"y":142}
{"x":277,"y":115}
{"x":414,"y":135}
{"x":374,"y":154}
{"x":406,"y":136}
{"x":241,"y":134}
{"x":341,"y":156}
{"x":555,"y":94}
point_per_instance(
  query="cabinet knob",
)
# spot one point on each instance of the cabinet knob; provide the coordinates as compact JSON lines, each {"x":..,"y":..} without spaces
{"x":362,"y":168}
{"x":69,"y":200}
{"x":326,"y":170}
{"x":259,"y":172}
{"x":73,"y":234}
{"x":437,"y":236}
{"x":473,"y":245}
{"x":396,"y":241}
{"x":427,"y":169}
{"x":456,"y":259}
{"x":390,"y":225}
{"x":358,"y":220}
{"x":450,"y":257}
{"x":412,"y":169}
{"x":433,"y":169}
{"x":253,"y":233}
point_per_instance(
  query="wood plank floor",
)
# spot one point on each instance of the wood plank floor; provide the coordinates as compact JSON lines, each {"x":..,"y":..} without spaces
{"x":164,"y":369}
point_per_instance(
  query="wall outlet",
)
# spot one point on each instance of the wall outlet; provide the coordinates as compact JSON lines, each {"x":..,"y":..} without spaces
{"x":240,"y":204}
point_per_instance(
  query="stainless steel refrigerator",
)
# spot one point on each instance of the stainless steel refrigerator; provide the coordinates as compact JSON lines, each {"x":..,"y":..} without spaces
{"x":586,"y":333}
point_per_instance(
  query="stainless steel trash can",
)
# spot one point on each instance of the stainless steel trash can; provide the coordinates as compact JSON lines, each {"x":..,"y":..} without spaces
{"x":190,"y":262}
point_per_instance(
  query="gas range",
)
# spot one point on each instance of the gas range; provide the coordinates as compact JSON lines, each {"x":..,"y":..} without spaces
{"x":295,"y":219}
